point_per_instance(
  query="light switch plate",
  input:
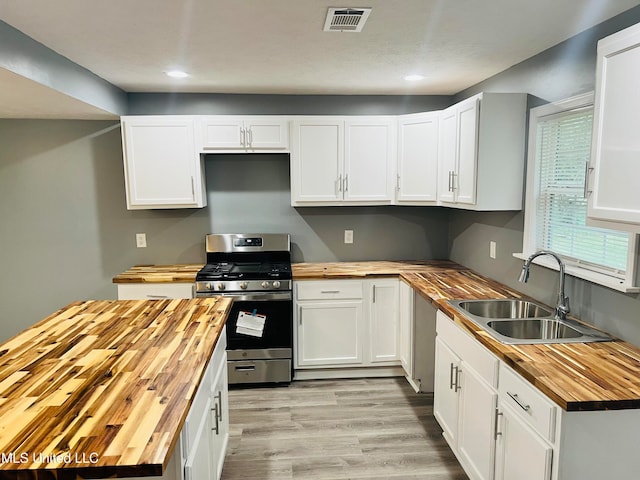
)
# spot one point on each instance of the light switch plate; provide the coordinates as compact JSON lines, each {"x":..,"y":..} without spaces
{"x":492,"y":249}
{"x":141,"y":240}
{"x":348,"y":236}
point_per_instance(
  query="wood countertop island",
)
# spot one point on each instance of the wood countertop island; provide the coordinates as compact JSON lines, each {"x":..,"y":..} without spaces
{"x":101,"y":389}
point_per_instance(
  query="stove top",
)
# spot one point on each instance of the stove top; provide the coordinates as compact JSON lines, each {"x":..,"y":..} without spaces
{"x":244,"y":271}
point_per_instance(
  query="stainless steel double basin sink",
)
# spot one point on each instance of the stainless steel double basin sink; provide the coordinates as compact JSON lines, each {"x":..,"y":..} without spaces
{"x":517,"y":321}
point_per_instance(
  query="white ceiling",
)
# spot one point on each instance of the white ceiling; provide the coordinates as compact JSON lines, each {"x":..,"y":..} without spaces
{"x":278,"y":46}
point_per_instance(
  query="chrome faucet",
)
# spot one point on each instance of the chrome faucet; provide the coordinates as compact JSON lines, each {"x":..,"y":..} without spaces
{"x":562,"y":308}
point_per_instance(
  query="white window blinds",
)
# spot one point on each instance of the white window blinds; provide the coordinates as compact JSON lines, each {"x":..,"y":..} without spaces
{"x":563,"y":150}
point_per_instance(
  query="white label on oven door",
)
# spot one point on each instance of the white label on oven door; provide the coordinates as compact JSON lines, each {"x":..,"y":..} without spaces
{"x":250,"y":323}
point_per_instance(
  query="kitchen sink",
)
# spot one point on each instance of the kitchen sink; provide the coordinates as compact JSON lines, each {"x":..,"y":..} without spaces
{"x":534,"y":329}
{"x":505,"y":308}
{"x":517,"y":321}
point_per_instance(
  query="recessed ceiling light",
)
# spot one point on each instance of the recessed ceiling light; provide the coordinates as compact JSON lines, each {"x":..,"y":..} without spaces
{"x":413,"y":78}
{"x":177,"y":74}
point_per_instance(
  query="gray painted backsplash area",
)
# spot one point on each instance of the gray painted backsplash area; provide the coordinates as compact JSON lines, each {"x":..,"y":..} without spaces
{"x":251,"y":193}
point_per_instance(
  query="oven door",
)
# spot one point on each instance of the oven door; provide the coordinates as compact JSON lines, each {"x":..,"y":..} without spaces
{"x":275,"y":339}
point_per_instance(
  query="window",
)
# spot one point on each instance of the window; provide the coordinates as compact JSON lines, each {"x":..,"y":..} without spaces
{"x":556,"y":203}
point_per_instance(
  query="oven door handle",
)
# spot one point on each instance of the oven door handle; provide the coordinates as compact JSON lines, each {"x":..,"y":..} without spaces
{"x":252,"y":297}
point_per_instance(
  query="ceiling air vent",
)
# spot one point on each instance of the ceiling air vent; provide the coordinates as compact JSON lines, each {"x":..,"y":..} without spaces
{"x":346,"y":19}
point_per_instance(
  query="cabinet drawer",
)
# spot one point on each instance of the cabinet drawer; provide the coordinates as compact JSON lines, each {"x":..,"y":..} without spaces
{"x":472,"y":353}
{"x":529,"y":403}
{"x":151,"y":291}
{"x":328,"y":289}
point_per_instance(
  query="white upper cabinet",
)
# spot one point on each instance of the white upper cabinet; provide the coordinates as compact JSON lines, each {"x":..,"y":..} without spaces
{"x":481,"y":152}
{"x":251,"y":134}
{"x":615,"y":157}
{"x":317,"y":160}
{"x":161,"y":164}
{"x":417,"y":173}
{"x":342,"y":161}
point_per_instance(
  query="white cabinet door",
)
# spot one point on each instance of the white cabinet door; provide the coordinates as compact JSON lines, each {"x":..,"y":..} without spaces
{"x":267,"y":133}
{"x":465,"y":176}
{"x":243,"y":133}
{"x":370,"y":153}
{"x":330,"y":333}
{"x":615,"y":154}
{"x":219,"y":417}
{"x":447,"y":154}
{"x":521,"y":453}
{"x":478,"y":403}
{"x":384,"y":320}
{"x":458,"y":152}
{"x":445,"y":400}
{"x":317,"y":155}
{"x":199,"y":465}
{"x":162,"y":167}
{"x":417,"y":179}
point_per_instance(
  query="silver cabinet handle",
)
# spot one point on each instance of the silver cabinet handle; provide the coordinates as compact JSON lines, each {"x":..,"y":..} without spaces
{"x":250,"y":132}
{"x":451,"y":382}
{"x":216,"y":428}
{"x":346,"y":183}
{"x":193,"y":188}
{"x":454,"y":378}
{"x":515,"y":398}
{"x":243,"y":135}
{"x":219,"y":403}
{"x":158,"y":297}
{"x":496,"y":431}
{"x":374,"y":294}
{"x":329,"y":291}
{"x":398,"y":183}
{"x":587,"y":174}
{"x":450,"y":186}
{"x":340,"y":183}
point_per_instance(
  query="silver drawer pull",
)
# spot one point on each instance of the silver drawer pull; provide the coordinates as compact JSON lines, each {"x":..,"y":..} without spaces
{"x":516,"y":399}
{"x":246,"y":368}
{"x":157,"y":296}
{"x":329,"y":291}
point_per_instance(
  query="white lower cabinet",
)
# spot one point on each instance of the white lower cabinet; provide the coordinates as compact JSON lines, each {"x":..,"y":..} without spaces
{"x":466,"y":397}
{"x":346,"y":323}
{"x":520,"y":452}
{"x":502,"y":427}
{"x":384,"y":318}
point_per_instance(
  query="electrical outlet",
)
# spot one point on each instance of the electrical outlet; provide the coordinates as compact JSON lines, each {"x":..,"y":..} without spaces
{"x":348,"y":236}
{"x":492,"y":249}
{"x":141,"y":240}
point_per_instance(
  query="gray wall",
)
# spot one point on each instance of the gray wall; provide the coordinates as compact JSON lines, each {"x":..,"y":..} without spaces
{"x":560,"y":72}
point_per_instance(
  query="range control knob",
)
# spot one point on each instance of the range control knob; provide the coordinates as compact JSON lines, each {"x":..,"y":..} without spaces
{"x":221,"y":286}
{"x":209,"y":286}
{"x":244,"y":285}
{"x":265,"y":284}
{"x":276,"y":284}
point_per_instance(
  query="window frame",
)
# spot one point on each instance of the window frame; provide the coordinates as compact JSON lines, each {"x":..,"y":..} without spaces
{"x":628,"y":283}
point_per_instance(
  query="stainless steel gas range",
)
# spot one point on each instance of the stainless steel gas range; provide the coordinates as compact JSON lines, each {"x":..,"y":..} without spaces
{"x":254,"y":270}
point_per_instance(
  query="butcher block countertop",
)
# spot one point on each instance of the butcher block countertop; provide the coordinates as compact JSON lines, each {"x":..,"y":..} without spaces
{"x":577,"y":376}
{"x":185,"y":273}
{"x":102,"y":388}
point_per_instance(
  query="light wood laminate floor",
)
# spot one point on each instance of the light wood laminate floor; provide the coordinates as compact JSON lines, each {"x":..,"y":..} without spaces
{"x":374,"y":429}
